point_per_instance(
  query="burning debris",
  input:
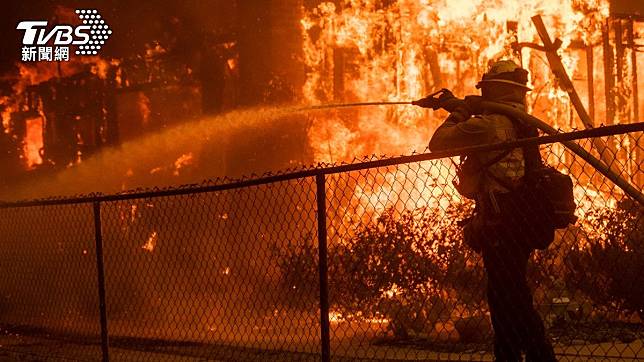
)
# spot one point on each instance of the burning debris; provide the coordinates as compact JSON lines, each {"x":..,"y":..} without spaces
{"x":151,"y":243}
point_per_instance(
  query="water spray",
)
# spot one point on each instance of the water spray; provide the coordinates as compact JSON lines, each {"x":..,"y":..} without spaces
{"x":445,"y":99}
{"x":348,"y":105}
{"x":431,"y":101}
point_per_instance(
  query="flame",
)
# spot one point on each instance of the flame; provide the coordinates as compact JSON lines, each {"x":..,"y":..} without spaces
{"x":100,"y":66}
{"x":6,"y":108}
{"x":361,"y":51}
{"x":232,"y":63}
{"x":154,"y":50}
{"x":33,"y":73}
{"x":133,"y":213}
{"x":409,"y":48}
{"x":144,"y":108}
{"x":151,"y":243}
{"x":33,"y":142}
{"x":184,"y":160}
{"x":337,"y":317}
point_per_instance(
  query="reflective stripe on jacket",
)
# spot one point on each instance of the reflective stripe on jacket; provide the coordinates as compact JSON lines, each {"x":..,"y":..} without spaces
{"x":479,"y":130}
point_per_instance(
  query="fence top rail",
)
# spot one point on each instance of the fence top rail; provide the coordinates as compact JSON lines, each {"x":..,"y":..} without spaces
{"x":327,"y":169}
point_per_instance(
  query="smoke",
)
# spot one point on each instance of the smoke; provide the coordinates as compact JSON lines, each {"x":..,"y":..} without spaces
{"x":233,"y":144}
{"x":176,"y":267}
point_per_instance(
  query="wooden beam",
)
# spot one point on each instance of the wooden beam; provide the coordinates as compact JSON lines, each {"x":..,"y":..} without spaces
{"x":612,"y":175}
{"x":631,"y":44}
{"x":609,"y":79}
{"x":559,"y":71}
{"x":637,"y":157}
{"x":565,"y":83}
{"x":619,"y":50}
{"x":590,"y":75}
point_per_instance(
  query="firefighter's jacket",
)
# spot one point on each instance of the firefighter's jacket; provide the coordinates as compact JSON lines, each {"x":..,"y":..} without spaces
{"x":484,"y":129}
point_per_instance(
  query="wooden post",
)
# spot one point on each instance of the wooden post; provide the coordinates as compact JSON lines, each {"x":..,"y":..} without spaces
{"x":557,"y":67}
{"x":609,"y":80}
{"x":100,"y":271}
{"x":559,"y":71}
{"x":637,"y":157}
{"x":631,"y":44}
{"x":590,"y":75}
{"x":325,"y":329}
{"x":631,"y":191}
{"x":619,"y":98}
{"x":619,"y":50}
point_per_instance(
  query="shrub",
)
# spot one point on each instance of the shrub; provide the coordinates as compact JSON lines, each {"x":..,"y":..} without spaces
{"x":409,"y":267}
{"x":412,"y":268}
{"x":609,"y":268}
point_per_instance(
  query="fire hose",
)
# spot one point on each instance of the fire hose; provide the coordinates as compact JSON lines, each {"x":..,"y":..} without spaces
{"x":434,"y":102}
{"x":629,"y":189}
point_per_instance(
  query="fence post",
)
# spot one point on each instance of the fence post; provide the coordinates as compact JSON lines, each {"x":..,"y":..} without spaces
{"x":100,"y":270}
{"x":325,"y":334}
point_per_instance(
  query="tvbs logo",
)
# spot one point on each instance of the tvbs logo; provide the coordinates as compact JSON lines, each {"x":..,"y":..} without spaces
{"x":88,"y":38}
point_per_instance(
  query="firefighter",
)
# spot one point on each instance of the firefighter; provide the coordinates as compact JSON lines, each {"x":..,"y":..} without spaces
{"x":504,"y":229}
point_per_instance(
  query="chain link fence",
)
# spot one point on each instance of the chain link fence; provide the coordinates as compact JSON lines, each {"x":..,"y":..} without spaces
{"x":250,"y":271}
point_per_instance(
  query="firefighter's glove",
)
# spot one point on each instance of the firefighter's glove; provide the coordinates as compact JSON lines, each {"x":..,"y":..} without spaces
{"x":427,"y":102}
{"x":446,"y":100}
{"x":458,"y":108}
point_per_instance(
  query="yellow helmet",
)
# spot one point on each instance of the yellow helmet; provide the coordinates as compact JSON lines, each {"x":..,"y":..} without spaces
{"x":505,"y":71}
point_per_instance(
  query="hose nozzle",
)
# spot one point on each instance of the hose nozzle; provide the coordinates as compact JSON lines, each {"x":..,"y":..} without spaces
{"x":434,"y":100}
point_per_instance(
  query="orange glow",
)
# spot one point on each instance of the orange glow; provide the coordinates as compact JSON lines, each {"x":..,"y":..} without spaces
{"x":33,"y":142}
{"x":182,"y":161}
{"x":6,"y":112}
{"x":144,"y":107}
{"x":232,"y":63}
{"x":151,"y":243}
{"x":362,"y":51}
{"x":413,"y":47}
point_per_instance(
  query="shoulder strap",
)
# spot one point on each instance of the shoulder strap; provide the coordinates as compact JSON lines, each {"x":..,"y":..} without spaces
{"x":500,"y":181}
{"x":496,"y":159}
{"x":484,"y":168}
{"x":531,"y":154}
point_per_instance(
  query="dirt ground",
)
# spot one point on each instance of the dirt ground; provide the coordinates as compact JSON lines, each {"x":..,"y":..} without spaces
{"x":15,"y":347}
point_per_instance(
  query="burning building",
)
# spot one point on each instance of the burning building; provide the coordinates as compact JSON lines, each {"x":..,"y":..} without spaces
{"x":206,"y":58}
{"x":206,"y":89}
{"x":401,"y":50}
{"x":197,"y":59}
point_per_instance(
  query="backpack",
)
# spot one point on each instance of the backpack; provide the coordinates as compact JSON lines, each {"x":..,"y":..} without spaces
{"x":468,"y":174}
{"x":547,"y":191}
{"x":559,"y":201}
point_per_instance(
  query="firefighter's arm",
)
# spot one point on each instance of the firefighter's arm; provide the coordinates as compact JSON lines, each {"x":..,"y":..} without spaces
{"x":454,"y":133}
